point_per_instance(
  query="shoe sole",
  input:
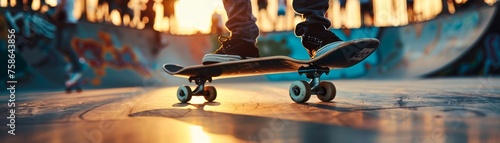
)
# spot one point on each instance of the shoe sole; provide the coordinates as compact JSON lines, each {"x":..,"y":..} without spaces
{"x":218,"y":58}
{"x":328,"y":47}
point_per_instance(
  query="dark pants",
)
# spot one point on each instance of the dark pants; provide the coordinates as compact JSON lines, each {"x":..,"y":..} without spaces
{"x":65,"y":34}
{"x":242,"y":24}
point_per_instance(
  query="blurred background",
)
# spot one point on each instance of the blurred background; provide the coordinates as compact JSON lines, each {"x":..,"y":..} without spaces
{"x":125,"y":42}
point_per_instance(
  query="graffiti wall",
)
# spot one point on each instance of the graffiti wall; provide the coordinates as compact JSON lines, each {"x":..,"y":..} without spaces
{"x":422,"y":49}
{"x":482,"y":60}
{"x":114,"y":53}
{"x":111,"y":56}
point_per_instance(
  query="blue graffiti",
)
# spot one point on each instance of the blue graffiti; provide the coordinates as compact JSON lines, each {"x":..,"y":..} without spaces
{"x":32,"y":27}
{"x":492,"y":50}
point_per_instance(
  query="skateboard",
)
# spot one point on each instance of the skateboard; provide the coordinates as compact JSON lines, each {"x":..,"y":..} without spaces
{"x":343,"y":55}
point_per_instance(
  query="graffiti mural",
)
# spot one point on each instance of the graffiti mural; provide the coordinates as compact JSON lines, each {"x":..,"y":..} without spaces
{"x":101,"y":54}
{"x":33,"y":34}
{"x":32,"y":28}
{"x":422,"y":49}
{"x":492,"y":50}
{"x":110,"y":52}
{"x":482,"y":60}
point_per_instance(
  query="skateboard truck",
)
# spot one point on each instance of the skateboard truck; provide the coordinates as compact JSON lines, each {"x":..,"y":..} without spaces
{"x":200,"y":82}
{"x":184,"y":93}
{"x":300,"y":91}
{"x":314,"y":73}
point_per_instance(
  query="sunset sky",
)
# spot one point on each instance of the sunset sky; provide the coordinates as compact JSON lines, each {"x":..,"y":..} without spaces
{"x":192,"y":16}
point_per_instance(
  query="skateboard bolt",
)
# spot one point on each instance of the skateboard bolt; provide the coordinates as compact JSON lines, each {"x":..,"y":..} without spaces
{"x":296,"y":90}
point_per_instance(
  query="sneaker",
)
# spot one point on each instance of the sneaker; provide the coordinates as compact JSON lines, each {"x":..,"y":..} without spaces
{"x":319,"y":40}
{"x":73,"y":79}
{"x":74,"y":76}
{"x":232,"y":49}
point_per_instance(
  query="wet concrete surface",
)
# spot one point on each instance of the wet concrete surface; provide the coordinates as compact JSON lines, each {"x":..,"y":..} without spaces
{"x":417,"y":111}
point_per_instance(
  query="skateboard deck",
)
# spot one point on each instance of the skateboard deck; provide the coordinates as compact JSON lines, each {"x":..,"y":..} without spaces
{"x":344,"y":55}
{"x":341,"y":55}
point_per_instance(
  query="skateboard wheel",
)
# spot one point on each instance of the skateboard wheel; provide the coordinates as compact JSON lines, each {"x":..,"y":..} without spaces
{"x":184,"y":94}
{"x":300,"y":91}
{"x":68,"y":90}
{"x":79,"y":89}
{"x":328,"y":91}
{"x":210,"y":93}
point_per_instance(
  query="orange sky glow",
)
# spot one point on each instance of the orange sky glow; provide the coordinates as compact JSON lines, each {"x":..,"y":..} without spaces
{"x":197,"y":18}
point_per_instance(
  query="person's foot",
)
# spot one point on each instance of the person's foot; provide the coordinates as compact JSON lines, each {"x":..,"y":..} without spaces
{"x":318,"y":40}
{"x":232,"y":49}
{"x":75,"y":73}
{"x":73,"y":78}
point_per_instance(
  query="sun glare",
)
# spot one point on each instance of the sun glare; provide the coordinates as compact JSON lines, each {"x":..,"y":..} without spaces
{"x":198,"y":135}
{"x":194,"y":15}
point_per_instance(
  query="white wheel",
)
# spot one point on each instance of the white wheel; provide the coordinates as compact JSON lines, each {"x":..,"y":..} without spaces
{"x":184,"y":94}
{"x":210,"y":93}
{"x":328,"y":93}
{"x":300,"y":91}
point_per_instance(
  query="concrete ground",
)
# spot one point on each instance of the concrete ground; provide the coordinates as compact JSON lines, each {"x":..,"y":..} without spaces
{"x":416,"y":110}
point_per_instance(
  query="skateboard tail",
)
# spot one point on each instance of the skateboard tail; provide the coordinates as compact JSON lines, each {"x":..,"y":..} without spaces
{"x":172,"y":68}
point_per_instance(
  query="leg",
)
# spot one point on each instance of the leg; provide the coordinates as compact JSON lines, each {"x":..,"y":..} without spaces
{"x":241,"y":22}
{"x":64,"y":45}
{"x":244,"y":32}
{"x":316,"y":37}
{"x":313,"y":11}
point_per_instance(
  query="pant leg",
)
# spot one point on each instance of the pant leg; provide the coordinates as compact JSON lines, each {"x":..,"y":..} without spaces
{"x":313,"y":11}
{"x":65,"y":34}
{"x":241,"y":22}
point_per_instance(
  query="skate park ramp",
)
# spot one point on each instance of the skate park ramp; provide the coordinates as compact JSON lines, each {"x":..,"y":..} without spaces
{"x":112,"y":53}
{"x":421,"y":49}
